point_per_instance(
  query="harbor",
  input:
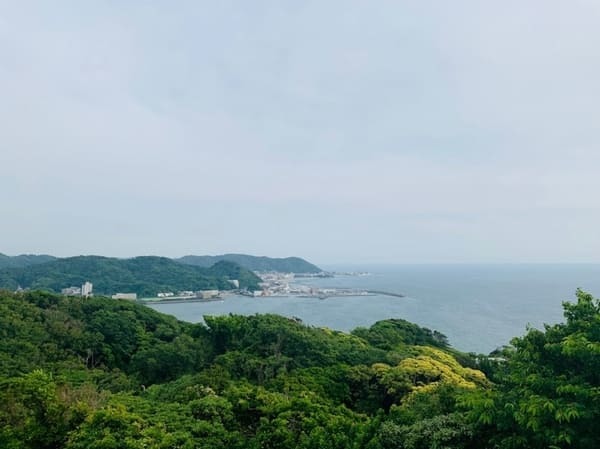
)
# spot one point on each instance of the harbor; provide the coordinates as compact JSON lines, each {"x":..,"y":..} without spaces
{"x":286,"y":285}
{"x":272,"y":285}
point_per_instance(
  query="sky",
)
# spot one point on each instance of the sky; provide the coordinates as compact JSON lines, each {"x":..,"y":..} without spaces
{"x":339,"y":131}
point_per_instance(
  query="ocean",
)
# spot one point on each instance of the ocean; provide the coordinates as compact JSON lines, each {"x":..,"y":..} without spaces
{"x":478,"y":307}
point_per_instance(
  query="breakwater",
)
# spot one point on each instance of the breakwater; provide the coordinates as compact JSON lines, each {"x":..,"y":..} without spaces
{"x":384,"y":293}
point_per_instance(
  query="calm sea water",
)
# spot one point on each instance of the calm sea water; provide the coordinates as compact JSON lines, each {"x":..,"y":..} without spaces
{"x":479,"y":307}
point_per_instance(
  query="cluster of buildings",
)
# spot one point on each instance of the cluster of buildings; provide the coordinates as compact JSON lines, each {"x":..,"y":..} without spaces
{"x":85,"y":290}
{"x":200,"y":294}
{"x":171,"y":294}
{"x":281,"y":284}
{"x":187,"y":294}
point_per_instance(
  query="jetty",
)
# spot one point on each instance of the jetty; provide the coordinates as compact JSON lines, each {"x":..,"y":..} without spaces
{"x":384,"y":293}
{"x":342,"y":292}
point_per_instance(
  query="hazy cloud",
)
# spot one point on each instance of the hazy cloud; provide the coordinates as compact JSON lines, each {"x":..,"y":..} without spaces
{"x":340,"y":131}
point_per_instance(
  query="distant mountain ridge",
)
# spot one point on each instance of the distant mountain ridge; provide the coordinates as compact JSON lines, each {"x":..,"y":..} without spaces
{"x":255,"y":263}
{"x":24,"y":260}
{"x":145,"y":275}
{"x":252,"y":263}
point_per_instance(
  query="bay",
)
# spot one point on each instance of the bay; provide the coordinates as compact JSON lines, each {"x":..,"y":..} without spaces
{"x":479,"y":307}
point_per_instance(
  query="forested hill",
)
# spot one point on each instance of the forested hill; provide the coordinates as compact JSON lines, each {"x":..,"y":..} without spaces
{"x":145,"y":276}
{"x":252,"y":263}
{"x":256,"y":263}
{"x":24,"y":260}
{"x":96,"y":373}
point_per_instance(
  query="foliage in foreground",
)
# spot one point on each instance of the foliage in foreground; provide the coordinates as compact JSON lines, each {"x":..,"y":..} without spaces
{"x":101,"y":373}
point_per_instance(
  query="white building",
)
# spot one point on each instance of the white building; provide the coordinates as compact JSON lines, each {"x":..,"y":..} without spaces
{"x":186,"y":293}
{"x":235,"y":283}
{"x":71,"y":291}
{"x":132,"y":296}
{"x":86,"y":289}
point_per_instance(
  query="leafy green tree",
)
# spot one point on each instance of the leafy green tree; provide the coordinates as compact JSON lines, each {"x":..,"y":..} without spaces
{"x":550,"y":393}
{"x":113,"y":428}
{"x":37,"y":412}
{"x":450,"y":431}
{"x":388,"y":334}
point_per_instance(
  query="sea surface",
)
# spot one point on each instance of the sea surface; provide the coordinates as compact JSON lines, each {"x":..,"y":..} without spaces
{"x":479,"y":307}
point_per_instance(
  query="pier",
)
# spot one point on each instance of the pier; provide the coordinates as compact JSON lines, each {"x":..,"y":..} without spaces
{"x":384,"y":293}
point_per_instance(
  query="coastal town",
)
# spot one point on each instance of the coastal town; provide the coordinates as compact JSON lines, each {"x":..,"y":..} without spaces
{"x":273,"y":284}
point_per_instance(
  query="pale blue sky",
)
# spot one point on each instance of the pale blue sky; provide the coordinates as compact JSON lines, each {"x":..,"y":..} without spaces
{"x":341,"y":131}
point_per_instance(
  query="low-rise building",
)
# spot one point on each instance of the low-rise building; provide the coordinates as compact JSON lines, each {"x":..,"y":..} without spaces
{"x":71,"y":291}
{"x":186,"y":293}
{"x":207,"y":294}
{"x":130,"y":296}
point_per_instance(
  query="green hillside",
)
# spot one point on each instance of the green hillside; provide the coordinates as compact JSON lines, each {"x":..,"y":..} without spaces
{"x":145,"y":276}
{"x":23,"y":260}
{"x":255,"y":263}
{"x":96,"y":373}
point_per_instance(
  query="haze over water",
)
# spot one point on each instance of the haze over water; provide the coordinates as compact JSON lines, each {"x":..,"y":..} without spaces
{"x":479,"y":307}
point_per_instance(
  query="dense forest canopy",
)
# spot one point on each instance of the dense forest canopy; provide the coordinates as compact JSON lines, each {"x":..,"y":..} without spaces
{"x":145,"y":276}
{"x":99,"y":373}
{"x":23,"y":260}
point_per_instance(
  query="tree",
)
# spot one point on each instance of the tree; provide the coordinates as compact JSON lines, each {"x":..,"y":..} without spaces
{"x":549,"y":396}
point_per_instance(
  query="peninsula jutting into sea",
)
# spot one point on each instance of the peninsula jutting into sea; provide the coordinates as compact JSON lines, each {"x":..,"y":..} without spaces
{"x":189,"y":278}
{"x":144,"y":276}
